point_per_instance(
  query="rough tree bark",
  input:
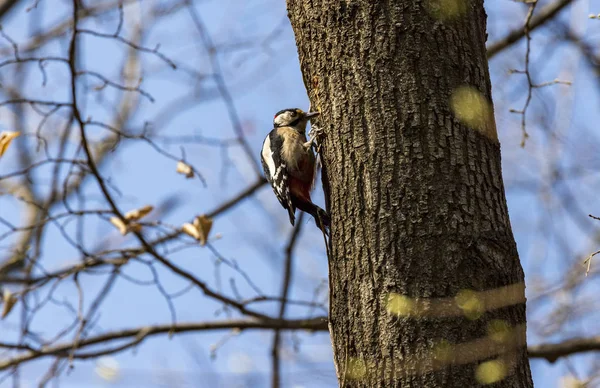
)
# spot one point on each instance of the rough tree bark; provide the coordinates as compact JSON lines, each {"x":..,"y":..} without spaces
{"x":426,"y":287}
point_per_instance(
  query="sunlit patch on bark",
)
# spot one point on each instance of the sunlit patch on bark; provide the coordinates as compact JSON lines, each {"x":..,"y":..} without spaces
{"x":400,"y":305}
{"x":470,"y":303}
{"x":447,"y":9}
{"x":356,"y":368}
{"x":500,"y":331}
{"x":491,"y":372}
{"x":442,"y":352}
{"x":474,"y":110}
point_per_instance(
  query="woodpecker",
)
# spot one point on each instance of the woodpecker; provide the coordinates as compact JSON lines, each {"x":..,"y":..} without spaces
{"x":289,"y":164}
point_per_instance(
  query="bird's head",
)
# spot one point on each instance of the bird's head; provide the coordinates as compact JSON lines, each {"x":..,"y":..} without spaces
{"x":295,"y":118}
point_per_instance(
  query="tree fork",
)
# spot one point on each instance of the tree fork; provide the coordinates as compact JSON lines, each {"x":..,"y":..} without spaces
{"x":425,"y":281}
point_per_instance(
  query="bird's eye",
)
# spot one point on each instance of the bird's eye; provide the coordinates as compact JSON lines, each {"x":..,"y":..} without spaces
{"x":293,"y":114}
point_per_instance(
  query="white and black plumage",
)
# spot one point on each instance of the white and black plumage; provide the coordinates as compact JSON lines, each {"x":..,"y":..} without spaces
{"x":289,"y":163}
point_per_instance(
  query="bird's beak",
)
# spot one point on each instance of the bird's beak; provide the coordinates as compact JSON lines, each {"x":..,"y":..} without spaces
{"x":310,"y":115}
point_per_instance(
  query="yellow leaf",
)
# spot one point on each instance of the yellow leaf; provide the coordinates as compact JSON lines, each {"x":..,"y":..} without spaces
{"x":199,"y":229}
{"x":203,"y":224}
{"x":116,"y":221}
{"x":8,"y":300}
{"x":125,"y":228}
{"x":190,"y":230}
{"x":134,"y":215}
{"x":185,"y":169}
{"x":5,"y":139}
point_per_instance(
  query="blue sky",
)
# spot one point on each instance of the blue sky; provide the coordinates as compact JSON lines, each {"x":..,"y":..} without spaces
{"x":264,"y":78}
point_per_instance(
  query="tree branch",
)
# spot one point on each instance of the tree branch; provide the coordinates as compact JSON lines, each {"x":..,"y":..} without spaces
{"x":6,"y":6}
{"x":543,"y":16}
{"x":587,"y":50}
{"x":285,"y":289}
{"x":86,"y":264}
{"x":139,"y":334}
{"x":553,"y":352}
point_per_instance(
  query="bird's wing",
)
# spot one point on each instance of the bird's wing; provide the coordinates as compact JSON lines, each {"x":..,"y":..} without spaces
{"x":276,"y":171}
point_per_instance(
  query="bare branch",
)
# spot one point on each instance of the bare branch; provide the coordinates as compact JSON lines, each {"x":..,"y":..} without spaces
{"x":6,"y":6}
{"x":63,"y":350}
{"x":514,"y":36}
{"x":222,"y":86}
{"x":553,"y":352}
{"x":285,"y":289}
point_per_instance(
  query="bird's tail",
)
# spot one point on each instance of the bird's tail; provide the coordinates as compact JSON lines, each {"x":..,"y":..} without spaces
{"x":291,"y":210}
{"x":321,"y":217}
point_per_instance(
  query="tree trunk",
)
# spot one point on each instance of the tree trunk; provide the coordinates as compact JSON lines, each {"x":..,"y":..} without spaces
{"x":426,"y":288}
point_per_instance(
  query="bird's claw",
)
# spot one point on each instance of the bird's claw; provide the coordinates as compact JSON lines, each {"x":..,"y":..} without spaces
{"x":315,"y":134}
{"x":309,"y":144}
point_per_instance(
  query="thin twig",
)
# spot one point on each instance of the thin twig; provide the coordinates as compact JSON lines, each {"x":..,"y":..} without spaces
{"x":285,"y":289}
{"x":545,"y":15}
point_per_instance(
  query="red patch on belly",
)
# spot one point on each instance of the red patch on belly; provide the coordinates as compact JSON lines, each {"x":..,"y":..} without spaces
{"x":300,"y":189}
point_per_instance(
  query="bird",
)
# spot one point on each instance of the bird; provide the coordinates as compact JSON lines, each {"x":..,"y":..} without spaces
{"x":289,"y":164}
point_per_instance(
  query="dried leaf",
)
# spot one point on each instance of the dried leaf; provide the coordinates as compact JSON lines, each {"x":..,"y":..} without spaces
{"x":199,"y":229}
{"x":134,"y":227}
{"x":8,"y":301}
{"x":203,"y":224}
{"x":125,"y":228}
{"x":190,"y":230}
{"x":185,"y":169}
{"x":116,"y":221}
{"x":5,"y":139}
{"x":134,"y":215}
